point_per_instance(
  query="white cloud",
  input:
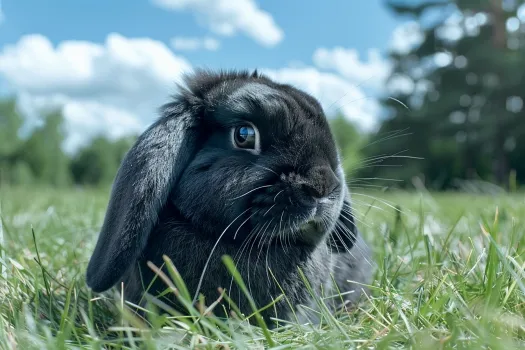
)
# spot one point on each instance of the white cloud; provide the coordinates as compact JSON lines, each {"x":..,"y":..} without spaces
{"x":81,"y":68}
{"x":193,"y":44}
{"x":227,"y":17}
{"x":116,"y":87}
{"x":346,"y":62}
{"x":113,"y":88}
{"x":84,"y":118}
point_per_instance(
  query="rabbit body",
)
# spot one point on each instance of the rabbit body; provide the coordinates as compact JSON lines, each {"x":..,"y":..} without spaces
{"x":321,"y":265}
{"x":243,"y":166}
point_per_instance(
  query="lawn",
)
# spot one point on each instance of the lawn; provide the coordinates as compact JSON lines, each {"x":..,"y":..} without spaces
{"x":449,"y":274}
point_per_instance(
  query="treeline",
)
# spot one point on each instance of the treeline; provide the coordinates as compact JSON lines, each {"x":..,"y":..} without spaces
{"x":457,"y":117}
{"x":39,"y":158}
{"x":461,"y":108}
{"x":369,"y":160}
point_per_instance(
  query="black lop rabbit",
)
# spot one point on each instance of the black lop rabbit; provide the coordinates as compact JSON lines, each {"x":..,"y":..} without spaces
{"x":237,"y":164}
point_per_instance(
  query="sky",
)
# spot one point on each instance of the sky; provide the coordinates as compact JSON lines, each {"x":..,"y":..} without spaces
{"x":110,"y":64}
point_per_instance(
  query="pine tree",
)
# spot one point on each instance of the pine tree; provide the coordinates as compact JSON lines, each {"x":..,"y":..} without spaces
{"x":467,"y":119}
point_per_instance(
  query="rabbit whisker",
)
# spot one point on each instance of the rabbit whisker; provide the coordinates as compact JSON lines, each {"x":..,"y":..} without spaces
{"x":360,"y":179}
{"x":280,"y":231}
{"x":348,"y":215}
{"x":241,"y":250}
{"x":266,"y":264}
{"x":275,"y":198}
{"x":368,"y":204}
{"x":252,"y":237}
{"x":270,"y":209}
{"x":267,"y":239}
{"x":262,"y":241}
{"x":211,"y":253}
{"x":238,"y":228}
{"x":379,"y":200}
{"x":347,"y":249}
{"x":250,"y":191}
{"x":265,"y":168}
{"x":348,"y":233}
{"x":261,"y":233}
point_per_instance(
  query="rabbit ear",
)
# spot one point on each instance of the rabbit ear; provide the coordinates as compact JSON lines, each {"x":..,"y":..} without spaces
{"x":141,"y":188}
{"x":344,"y":235}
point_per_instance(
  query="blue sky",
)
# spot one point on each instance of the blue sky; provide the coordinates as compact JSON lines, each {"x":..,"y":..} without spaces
{"x":108,"y":64}
{"x":307,"y":25}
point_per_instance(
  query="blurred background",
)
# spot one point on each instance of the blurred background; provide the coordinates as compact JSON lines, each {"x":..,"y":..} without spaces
{"x":421,"y":94}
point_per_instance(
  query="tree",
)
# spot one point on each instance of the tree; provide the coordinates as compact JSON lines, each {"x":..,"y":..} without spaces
{"x":10,"y":123}
{"x":350,"y":142}
{"x":43,"y":152}
{"x":40,"y":159}
{"x":458,"y":111}
{"x":97,"y":163}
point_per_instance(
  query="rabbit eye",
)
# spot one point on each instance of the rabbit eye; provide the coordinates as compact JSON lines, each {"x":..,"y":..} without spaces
{"x":245,"y":137}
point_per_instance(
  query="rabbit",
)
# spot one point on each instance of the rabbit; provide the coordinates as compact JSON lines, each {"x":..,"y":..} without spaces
{"x":237,"y":164}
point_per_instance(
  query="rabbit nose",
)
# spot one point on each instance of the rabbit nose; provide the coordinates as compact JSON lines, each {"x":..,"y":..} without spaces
{"x":321,"y":182}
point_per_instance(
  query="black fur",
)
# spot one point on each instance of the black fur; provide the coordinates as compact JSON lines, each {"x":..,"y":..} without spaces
{"x":183,"y":187}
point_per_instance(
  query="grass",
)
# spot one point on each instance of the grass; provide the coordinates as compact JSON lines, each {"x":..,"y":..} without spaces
{"x":449,"y":274}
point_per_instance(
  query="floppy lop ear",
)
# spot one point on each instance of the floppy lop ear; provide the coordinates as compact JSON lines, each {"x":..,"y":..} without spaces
{"x":344,"y":235}
{"x":141,"y":188}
